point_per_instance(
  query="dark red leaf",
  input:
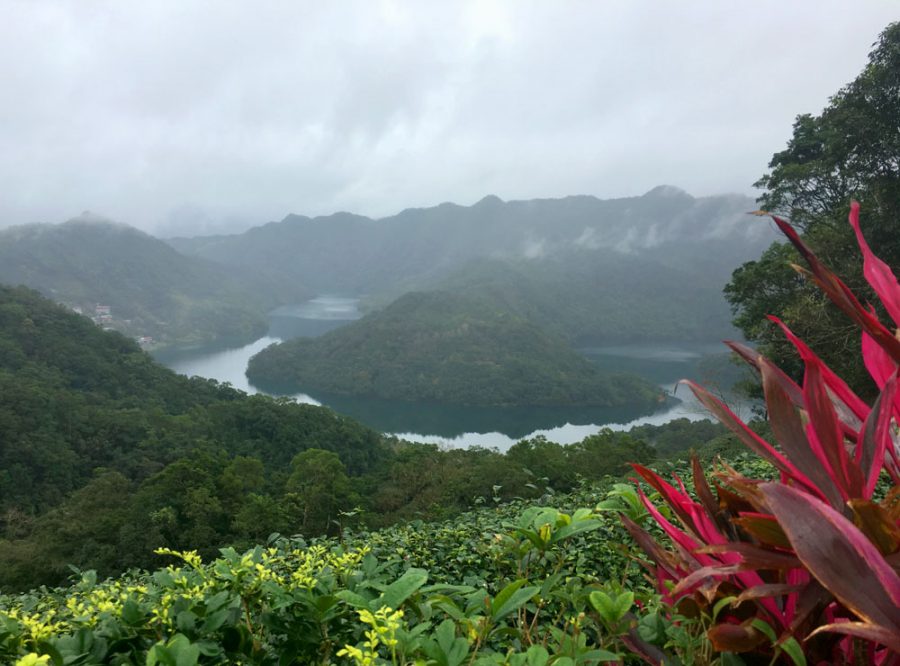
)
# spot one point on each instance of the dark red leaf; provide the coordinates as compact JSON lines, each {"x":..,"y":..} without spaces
{"x":878,"y":274}
{"x":876,"y":437}
{"x":864,"y":630}
{"x":824,"y":423}
{"x":788,"y":429}
{"x":735,"y":637}
{"x":838,"y":555}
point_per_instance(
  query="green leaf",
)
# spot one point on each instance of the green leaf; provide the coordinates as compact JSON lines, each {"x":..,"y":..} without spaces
{"x":132,"y":614}
{"x":402,"y":588}
{"x":511,"y":598}
{"x":537,"y":655}
{"x":574,"y":528}
{"x":792,"y":649}
{"x":353,"y":599}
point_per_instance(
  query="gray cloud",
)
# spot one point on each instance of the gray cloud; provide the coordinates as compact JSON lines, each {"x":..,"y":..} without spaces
{"x":168,"y":115}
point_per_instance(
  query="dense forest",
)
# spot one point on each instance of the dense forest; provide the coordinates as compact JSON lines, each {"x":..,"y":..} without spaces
{"x":150,"y":290}
{"x":443,"y":347}
{"x":638,"y":268}
{"x":105,"y":456}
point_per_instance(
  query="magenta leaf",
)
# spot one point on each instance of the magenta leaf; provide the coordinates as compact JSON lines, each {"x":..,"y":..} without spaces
{"x":838,"y":554}
{"x":878,"y":274}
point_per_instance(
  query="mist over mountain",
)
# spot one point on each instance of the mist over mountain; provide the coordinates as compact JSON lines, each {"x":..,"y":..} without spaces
{"x":142,"y":286}
{"x":664,"y":254}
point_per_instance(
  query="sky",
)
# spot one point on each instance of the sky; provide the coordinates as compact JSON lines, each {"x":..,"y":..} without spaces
{"x":186,"y":117}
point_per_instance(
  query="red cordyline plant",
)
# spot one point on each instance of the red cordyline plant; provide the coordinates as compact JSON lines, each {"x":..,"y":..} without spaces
{"x":813,"y":558}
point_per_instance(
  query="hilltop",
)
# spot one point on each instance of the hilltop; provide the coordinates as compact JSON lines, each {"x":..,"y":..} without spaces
{"x":614,"y":269}
{"x":444,"y":347}
{"x":145,"y":287}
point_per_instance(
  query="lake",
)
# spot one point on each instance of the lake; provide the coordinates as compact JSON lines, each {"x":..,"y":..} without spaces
{"x":492,"y":427}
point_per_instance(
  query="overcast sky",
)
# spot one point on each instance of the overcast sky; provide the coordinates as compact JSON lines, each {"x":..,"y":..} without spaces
{"x":170,"y":114}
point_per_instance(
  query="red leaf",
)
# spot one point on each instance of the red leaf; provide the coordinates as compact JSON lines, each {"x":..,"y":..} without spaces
{"x":876,"y":437}
{"x":750,"y":439}
{"x":836,"y":385}
{"x":838,"y":555}
{"x":878,"y":362}
{"x":840,"y":295}
{"x":878,"y":274}
{"x":828,"y":435}
{"x":673,"y":497}
{"x":865,"y":630}
{"x":755,"y":557}
{"x":789,"y":432}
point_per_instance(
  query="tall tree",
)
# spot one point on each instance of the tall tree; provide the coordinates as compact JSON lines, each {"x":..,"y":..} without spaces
{"x":849,"y":151}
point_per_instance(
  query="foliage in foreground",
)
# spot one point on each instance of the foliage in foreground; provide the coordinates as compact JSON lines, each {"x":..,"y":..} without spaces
{"x":511,"y":579}
{"x":808,"y":565}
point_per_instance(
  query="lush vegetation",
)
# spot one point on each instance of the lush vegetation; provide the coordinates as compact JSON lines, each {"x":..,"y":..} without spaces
{"x":806,"y":565}
{"x":442,"y":347}
{"x":787,"y":555}
{"x":790,"y":558}
{"x":850,"y":150}
{"x":152,"y":290}
{"x":105,"y":456}
{"x":516,"y":583}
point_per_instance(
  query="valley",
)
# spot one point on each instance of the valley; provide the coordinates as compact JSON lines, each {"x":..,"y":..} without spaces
{"x":663,"y":364}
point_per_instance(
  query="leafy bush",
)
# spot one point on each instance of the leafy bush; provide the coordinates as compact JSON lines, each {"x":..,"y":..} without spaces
{"x":805,"y":566}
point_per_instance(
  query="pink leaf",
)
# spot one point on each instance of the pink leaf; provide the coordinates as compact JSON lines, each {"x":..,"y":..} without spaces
{"x":838,"y":554}
{"x":878,"y":274}
{"x":840,"y":294}
{"x":837,"y":385}
{"x":878,"y":362}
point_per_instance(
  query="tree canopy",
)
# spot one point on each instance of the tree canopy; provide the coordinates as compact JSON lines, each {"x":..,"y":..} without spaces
{"x":851,"y":150}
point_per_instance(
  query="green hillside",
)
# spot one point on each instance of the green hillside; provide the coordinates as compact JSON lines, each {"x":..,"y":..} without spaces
{"x":106,"y":455}
{"x":647,"y":267}
{"x":443,"y":347}
{"x":151,"y":290}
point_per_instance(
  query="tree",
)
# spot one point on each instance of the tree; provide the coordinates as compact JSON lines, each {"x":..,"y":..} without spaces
{"x":849,"y":151}
{"x":317,"y":490}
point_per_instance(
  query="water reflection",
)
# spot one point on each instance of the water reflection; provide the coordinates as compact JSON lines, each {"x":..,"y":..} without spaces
{"x":493,"y":427}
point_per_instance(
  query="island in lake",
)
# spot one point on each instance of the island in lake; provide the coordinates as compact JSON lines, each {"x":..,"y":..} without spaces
{"x":448,"y":348}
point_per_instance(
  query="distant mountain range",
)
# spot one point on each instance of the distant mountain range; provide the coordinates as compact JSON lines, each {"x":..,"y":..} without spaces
{"x":142,"y":286}
{"x":446,"y":348}
{"x":648,"y":267}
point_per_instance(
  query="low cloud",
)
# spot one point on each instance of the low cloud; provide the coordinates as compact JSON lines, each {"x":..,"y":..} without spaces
{"x":140,"y":111}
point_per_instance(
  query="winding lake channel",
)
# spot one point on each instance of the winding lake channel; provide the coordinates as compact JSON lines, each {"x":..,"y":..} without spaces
{"x":492,"y":427}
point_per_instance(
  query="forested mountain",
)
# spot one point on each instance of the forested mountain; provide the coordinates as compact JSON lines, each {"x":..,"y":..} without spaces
{"x":150,"y":289}
{"x":443,"y":347}
{"x":106,"y":455}
{"x":631,"y":261}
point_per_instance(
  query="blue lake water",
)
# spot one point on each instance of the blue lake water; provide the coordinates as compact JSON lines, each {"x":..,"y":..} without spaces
{"x":500,"y":427}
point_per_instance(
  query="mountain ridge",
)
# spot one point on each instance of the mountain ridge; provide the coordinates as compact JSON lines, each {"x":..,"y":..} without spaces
{"x":143,"y":286}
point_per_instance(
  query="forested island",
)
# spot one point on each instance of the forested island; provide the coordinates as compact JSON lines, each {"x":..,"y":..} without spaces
{"x":444,"y":347}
